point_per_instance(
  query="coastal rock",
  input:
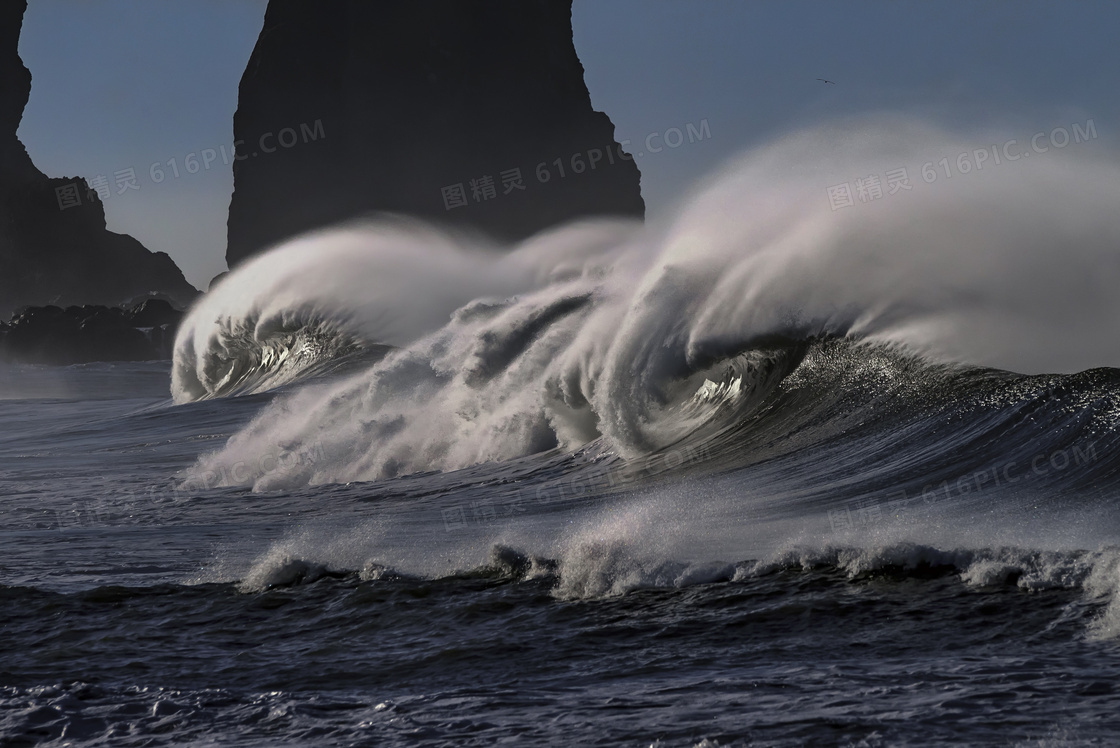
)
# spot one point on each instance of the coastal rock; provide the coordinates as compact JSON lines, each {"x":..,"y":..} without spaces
{"x":81,"y":334}
{"x":54,"y":245}
{"x":468,"y":114}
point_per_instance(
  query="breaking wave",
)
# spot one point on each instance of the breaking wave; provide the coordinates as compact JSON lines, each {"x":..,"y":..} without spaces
{"x":635,"y":338}
{"x":916,"y":385}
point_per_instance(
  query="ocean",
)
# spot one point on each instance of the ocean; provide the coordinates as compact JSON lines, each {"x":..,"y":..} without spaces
{"x":766,"y":473}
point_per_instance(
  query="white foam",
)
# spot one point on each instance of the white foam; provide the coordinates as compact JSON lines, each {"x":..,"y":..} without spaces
{"x":583,"y":332}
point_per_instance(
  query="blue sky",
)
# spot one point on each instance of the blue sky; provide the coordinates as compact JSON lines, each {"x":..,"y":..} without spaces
{"x":120,"y":84}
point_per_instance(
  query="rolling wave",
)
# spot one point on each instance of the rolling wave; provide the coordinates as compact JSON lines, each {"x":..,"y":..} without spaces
{"x":636,"y":338}
{"x":599,"y":569}
{"x":903,"y":387}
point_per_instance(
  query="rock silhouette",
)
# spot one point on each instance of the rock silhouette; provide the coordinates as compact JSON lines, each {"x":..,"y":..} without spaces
{"x":471,"y":114}
{"x":80,"y":334}
{"x":54,"y":246}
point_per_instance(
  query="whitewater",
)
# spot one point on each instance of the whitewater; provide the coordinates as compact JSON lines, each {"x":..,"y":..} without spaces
{"x":765,"y":470}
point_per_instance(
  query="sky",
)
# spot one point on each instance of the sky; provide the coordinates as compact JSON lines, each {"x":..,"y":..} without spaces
{"x":133,"y":84}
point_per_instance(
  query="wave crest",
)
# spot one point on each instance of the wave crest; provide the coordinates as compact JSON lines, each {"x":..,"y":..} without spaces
{"x":608,"y":331}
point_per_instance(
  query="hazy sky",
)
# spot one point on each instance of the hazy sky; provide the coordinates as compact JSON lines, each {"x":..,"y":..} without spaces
{"x":120,"y":84}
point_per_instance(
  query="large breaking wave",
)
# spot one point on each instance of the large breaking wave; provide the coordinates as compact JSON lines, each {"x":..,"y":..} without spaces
{"x":909,"y":385}
{"x":615,"y":333}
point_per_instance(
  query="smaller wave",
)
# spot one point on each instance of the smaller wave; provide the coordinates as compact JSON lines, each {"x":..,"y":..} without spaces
{"x":1096,"y":573}
{"x":592,"y":569}
{"x":610,"y":568}
{"x":278,"y":568}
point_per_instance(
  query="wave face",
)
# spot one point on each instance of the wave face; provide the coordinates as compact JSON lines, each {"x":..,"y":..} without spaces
{"x":635,"y":338}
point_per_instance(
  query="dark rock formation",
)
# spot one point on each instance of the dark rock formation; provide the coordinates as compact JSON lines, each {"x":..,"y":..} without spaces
{"x":54,"y":247}
{"x":350,"y":106}
{"x":80,"y":334}
{"x":216,"y":280}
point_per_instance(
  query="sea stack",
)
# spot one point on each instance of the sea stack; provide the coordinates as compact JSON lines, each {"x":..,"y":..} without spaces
{"x":54,"y":246}
{"x":469,"y":114}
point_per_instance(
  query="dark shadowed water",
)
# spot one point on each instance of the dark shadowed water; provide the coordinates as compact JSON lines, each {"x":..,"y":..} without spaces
{"x":863,"y":549}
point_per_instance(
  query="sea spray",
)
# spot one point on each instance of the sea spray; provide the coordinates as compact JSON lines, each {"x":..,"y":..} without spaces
{"x":589,"y":331}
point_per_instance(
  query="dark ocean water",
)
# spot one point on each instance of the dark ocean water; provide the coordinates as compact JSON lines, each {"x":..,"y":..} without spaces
{"x":742,"y":475}
{"x":859,"y":548}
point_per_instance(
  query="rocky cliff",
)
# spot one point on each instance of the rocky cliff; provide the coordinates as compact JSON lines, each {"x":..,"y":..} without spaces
{"x":54,"y":247}
{"x":81,"y":334}
{"x":466,"y":112}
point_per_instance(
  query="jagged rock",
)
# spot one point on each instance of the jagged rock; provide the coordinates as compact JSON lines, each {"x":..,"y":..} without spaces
{"x":349,"y":107}
{"x":54,"y":246}
{"x":80,"y":334}
{"x":155,"y":313}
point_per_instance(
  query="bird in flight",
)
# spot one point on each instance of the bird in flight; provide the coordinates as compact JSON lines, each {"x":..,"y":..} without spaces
{"x":822,"y":80}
